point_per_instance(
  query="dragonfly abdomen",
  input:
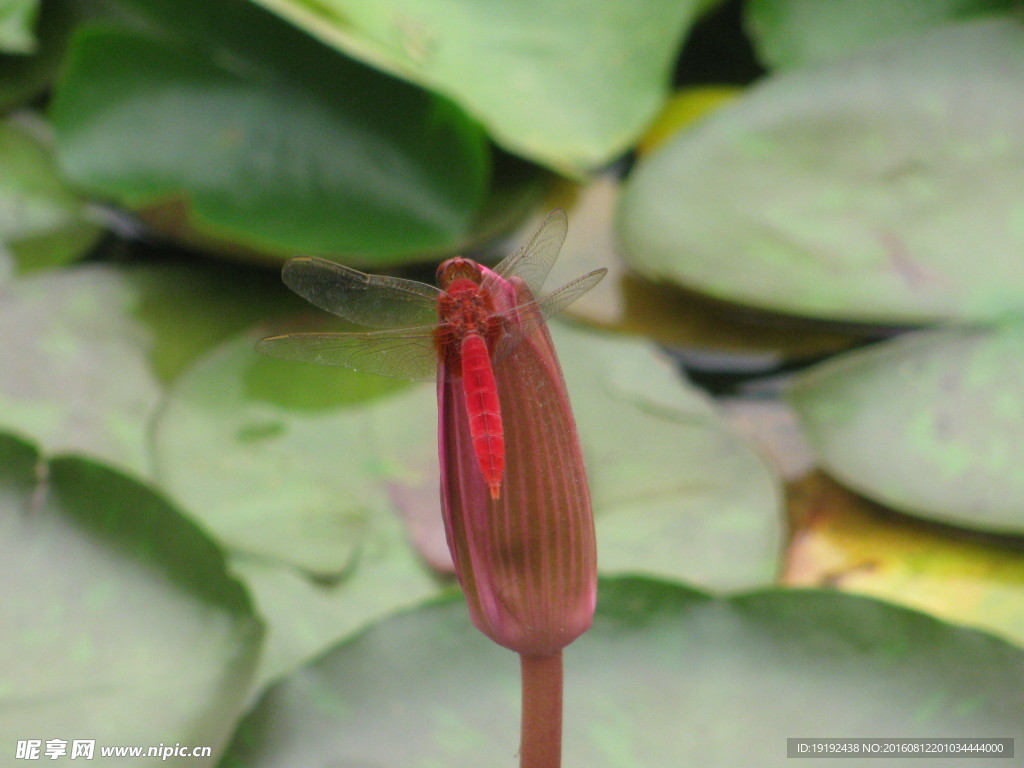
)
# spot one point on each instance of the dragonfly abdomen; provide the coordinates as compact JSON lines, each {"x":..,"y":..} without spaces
{"x":484,"y":410}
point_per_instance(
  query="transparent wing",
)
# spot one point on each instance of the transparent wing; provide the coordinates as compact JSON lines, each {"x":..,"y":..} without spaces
{"x":409,"y":353}
{"x":558,"y":300}
{"x":372,"y":300}
{"x":533,"y":261}
{"x":406,"y":353}
{"x":533,"y":313}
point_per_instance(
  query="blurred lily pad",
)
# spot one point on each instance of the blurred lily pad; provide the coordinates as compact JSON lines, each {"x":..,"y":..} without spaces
{"x":790,"y":33}
{"x":929,"y":423}
{"x":274,"y":141}
{"x":189,"y":308}
{"x":873,"y":189}
{"x":629,"y":304}
{"x":23,"y":77}
{"x":676,"y":494}
{"x":280,"y":460}
{"x":77,"y":377}
{"x":771,"y":426}
{"x":90,"y":349}
{"x":306,"y":615}
{"x":844,"y":541}
{"x":119,"y":622}
{"x":665,"y":677}
{"x":516,"y":187}
{"x":17,"y":19}
{"x":569,"y":85}
{"x":42,"y":221}
{"x":293,"y":468}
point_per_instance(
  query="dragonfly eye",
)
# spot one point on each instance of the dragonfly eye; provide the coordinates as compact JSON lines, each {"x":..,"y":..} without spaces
{"x":457,"y":268}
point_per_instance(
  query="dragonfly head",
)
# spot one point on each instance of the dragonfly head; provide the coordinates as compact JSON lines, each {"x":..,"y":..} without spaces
{"x":457,"y":268}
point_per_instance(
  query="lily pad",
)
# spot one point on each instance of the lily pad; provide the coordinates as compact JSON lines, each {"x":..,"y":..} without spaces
{"x":875,"y":189}
{"x":188,"y":309}
{"x":929,"y":423}
{"x":790,"y":33}
{"x":569,"y":84}
{"x":42,"y":221}
{"x":305,"y":615}
{"x":666,"y":677}
{"x":771,"y":426}
{"x":274,"y":141}
{"x":844,"y":541}
{"x":675,"y":493}
{"x":120,"y":624}
{"x":90,"y":349}
{"x":284,"y":464}
{"x":17,"y":19}
{"x":24,"y":77}
{"x":626,"y":303}
{"x":77,"y":377}
{"x":280,"y":460}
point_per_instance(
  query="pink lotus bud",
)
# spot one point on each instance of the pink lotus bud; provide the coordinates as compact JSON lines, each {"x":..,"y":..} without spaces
{"x":527,"y":560}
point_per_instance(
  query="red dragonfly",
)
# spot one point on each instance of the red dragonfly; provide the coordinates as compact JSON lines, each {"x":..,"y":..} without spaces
{"x":467,"y":324}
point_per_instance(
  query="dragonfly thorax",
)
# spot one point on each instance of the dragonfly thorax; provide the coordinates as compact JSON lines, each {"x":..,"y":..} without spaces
{"x":465,"y":306}
{"x":465,"y":303}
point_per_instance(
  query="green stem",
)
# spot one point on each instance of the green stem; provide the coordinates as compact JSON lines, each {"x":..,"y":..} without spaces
{"x":540,"y":744}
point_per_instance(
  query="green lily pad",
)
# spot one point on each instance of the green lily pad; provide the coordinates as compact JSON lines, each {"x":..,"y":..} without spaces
{"x":120,"y":624}
{"x":24,"y":77}
{"x":624,"y":303}
{"x":872,"y":189}
{"x":791,"y":33}
{"x":17,"y":19}
{"x":929,"y":423}
{"x":188,"y":309}
{"x":42,"y":222}
{"x":77,"y":377}
{"x":306,"y":615}
{"x":675,"y":493}
{"x":280,"y":460}
{"x":90,"y":349}
{"x":273,"y":141}
{"x":295,"y":468}
{"x":666,"y":677}
{"x":569,"y":85}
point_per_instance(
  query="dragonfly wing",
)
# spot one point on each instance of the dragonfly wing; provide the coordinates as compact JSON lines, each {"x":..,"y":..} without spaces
{"x":559,"y":299}
{"x":373,"y":300}
{"x":533,"y":313}
{"x":533,"y":261}
{"x":406,"y":353}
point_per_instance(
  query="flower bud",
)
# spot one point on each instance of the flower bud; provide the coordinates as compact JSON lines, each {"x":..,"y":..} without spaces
{"x":527,"y":561}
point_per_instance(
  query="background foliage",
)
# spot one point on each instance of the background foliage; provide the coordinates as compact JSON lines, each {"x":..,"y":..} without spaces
{"x":798,"y":391}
